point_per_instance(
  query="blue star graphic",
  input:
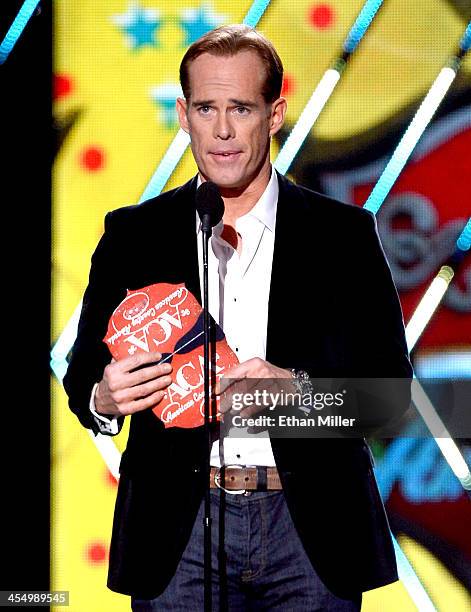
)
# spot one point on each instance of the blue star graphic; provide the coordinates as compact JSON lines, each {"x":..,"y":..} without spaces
{"x":197,"y":22}
{"x":140,"y":26}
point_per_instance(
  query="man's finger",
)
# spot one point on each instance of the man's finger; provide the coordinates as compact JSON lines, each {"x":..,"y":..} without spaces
{"x":147,"y":373}
{"x":146,"y":402}
{"x":148,"y":388}
{"x":133,"y":362}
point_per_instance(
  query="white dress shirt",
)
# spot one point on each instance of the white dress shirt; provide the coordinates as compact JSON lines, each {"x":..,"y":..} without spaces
{"x":238,"y":292}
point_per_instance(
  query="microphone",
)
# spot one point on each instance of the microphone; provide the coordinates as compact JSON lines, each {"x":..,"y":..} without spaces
{"x":210,"y":205}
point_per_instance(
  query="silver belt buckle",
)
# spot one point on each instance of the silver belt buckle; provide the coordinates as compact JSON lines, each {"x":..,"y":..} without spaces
{"x":217,"y":480}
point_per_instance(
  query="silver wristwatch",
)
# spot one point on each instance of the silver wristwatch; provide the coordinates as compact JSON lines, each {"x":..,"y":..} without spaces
{"x":302,"y":382}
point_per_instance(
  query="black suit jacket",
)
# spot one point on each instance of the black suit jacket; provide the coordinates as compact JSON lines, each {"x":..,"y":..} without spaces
{"x":333,"y":311}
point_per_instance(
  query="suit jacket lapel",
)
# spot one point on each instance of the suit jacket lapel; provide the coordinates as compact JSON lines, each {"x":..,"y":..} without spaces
{"x":297,"y":246}
{"x":280,"y":287}
{"x":186,"y":250}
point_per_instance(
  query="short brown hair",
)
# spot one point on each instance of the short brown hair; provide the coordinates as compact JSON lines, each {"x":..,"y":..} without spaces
{"x":232,"y":39}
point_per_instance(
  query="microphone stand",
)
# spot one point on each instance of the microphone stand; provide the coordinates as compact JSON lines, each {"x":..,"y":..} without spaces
{"x":210,"y":207}
{"x":207,"y":231}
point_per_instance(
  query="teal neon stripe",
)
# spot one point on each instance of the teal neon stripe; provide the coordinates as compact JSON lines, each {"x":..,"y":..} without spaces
{"x":255,"y":12}
{"x":465,"y":43}
{"x":321,"y":94}
{"x":362,"y":23}
{"x":166,"y":166}
{"x":464,"y":239}
{"x":16,"y":28}
{"x":410,"y":138}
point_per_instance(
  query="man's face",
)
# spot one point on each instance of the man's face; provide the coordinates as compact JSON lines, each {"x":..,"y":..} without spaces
{"x":229,"y":122}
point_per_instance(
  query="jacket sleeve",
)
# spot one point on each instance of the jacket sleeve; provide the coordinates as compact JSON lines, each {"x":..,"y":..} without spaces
{"x":89,"y":354}
{"x":382,"y":378}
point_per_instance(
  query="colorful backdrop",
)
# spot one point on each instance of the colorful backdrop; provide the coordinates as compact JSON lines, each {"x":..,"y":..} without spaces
{"x":116,"y":79}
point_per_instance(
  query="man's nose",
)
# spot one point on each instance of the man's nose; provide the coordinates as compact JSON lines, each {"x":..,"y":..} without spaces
{"x":223,"y":127}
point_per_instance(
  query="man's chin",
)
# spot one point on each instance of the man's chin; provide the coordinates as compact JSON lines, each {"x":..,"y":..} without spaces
{"x":226,"y":183}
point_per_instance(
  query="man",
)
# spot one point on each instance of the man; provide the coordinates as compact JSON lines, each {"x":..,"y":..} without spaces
{"x":299,"y":283}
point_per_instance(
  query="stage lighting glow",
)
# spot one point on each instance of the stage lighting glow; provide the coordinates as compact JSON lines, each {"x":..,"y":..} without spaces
{"x":465,"y":42}
{"x":412,"y":584}
{"x":16,"y":28}
{"x":427,"y":305}
{"x":441,"y":434}
{"x":445,"y":364}
{"x":419,"y":320}
{"x":167,"y":165}
{"x":464,"y":239}
{"x":64,"y":344}
{"x":109,"y":452}
{"x":324,"y":89}
{"x":410,"y":138}
{"x":306,"y":120}
{"x":362,"y":23}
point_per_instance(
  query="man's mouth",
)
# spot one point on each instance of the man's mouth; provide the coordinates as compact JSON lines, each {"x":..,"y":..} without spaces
{"x":225,"y":155}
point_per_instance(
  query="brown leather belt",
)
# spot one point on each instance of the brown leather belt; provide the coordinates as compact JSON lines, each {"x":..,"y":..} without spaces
{"x":239,"y":478}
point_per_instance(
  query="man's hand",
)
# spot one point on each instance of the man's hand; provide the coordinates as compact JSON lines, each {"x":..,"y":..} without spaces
{"x":132,"y":384}
{"x":252,"y":376}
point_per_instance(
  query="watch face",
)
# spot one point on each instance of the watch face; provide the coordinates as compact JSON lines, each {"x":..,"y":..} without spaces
{"x":302,"y":374}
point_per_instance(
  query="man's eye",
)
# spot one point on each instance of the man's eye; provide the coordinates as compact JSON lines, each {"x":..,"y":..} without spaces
{"x":242,"y":110}
{"x":204,"y":110}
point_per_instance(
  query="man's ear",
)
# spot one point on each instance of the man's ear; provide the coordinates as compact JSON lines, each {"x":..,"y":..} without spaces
{"x":277,"y":118}
{"x":182,"y":116}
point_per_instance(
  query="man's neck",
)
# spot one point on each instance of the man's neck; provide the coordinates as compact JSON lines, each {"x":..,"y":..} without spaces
{"x":238,"y":203}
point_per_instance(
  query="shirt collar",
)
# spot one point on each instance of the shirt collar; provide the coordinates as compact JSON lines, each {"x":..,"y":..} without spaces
{"x":264,"y":210}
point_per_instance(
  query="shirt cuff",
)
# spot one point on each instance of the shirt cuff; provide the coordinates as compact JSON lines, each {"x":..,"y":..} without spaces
{"x":106,"y":424}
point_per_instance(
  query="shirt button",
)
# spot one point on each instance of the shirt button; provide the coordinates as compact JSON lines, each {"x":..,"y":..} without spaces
{"x":237,"y":350}
{"x":235,"y":299}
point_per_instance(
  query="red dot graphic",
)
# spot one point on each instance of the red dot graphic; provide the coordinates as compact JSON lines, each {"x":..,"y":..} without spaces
{"x":322,"y":16}
{"x":96,"y":553}
{"x":288,"y":85}
{"x":62,"y":86}
{"x":92,"y":158}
